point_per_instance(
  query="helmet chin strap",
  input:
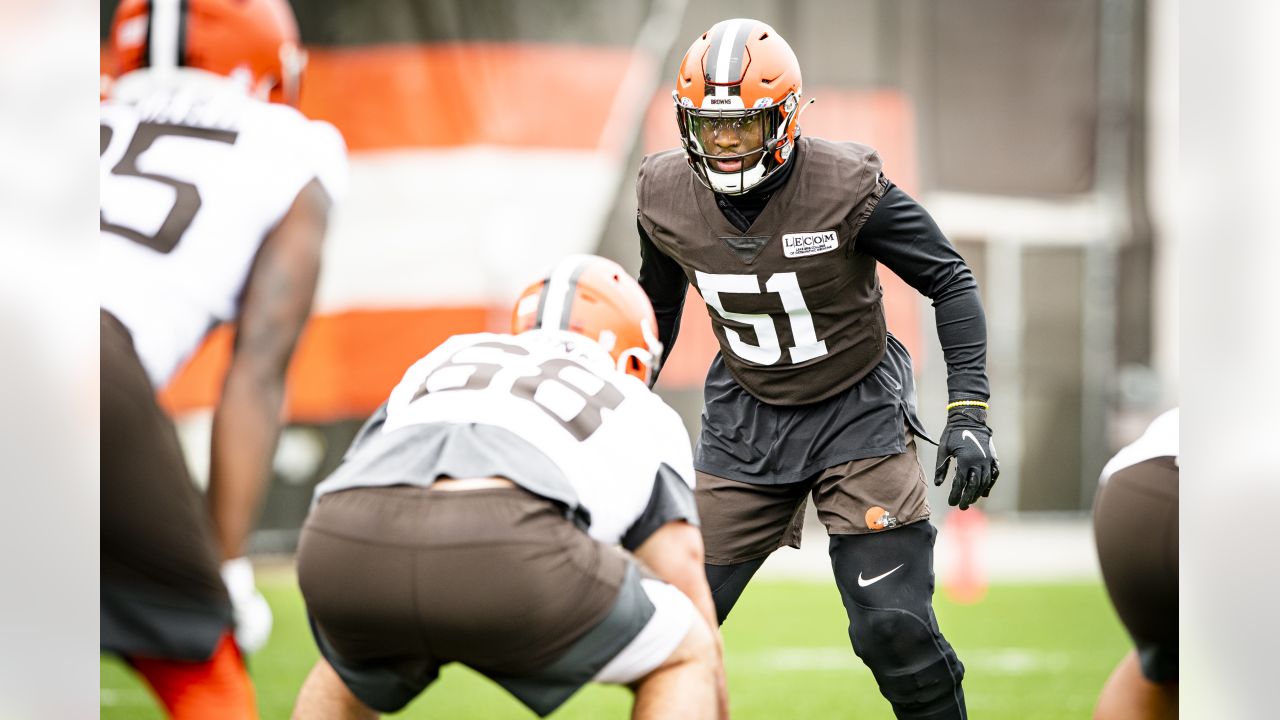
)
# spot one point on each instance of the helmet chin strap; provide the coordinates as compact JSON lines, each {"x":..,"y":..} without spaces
{"x":741,"y":181}
{"x":772,"y":145}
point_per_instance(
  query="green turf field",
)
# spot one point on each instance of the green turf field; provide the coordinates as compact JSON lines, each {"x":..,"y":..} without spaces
{"x":1032,"y":651}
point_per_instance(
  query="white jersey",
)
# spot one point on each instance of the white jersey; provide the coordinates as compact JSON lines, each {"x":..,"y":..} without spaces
{"x":191,"y":183}
{"x":1159,"y":440}
{"x":546,"y":409}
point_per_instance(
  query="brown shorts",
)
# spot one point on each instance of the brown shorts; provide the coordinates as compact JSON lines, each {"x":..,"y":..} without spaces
{"x":741,"y":521}
{"x":401,"y":580}
{"x":161,"y":595}
{"x":1135,"y":523}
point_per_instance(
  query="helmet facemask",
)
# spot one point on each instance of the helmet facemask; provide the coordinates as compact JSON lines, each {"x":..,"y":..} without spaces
{"x":753,"y":143}
{"x":645,"y":361}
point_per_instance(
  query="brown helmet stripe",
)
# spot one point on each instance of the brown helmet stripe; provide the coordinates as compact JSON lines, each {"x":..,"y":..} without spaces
{"x":146,"y":43}
{"x":727,"y":54}
{"x":166,"y":39}
{"x":183,"y":14}
{"x":556,"y":303}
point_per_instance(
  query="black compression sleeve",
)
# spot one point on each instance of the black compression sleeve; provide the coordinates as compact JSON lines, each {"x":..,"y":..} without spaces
{"x":901,"y":235}
{"x":665,"y":283}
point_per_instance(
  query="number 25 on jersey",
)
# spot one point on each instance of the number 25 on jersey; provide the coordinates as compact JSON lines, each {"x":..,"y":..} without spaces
{"x":186,"y":196}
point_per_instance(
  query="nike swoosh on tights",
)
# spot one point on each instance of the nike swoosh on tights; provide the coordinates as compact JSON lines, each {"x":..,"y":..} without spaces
{"x":876,"y":579}
{"x":974,"y":438}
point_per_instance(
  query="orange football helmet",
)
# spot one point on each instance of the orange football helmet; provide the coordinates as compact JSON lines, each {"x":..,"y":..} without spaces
{"x":737,"y":102}
{"x":255,"y":41}
{"x":596,"y":298}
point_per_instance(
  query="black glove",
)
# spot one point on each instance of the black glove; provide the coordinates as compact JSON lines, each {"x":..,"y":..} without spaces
{"x":968,"y":439}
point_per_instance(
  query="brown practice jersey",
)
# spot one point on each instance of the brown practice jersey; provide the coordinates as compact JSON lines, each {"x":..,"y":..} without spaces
{"x":795,"y":306}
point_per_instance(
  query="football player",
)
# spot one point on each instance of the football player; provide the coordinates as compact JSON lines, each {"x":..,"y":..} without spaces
{"x":215,"y":195}
{"x":477,"y":518}
{"x":809,"y":395}
{"x":1139,"y":562}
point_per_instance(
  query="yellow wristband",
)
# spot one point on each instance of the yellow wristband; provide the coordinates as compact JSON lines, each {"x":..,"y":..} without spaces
{"x":967,"y":403}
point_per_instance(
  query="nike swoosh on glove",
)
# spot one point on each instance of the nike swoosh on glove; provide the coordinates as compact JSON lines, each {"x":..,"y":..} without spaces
{"x":967,"y":439}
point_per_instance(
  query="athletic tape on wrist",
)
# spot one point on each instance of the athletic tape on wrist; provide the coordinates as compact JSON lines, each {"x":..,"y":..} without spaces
{"x":967,"y":403}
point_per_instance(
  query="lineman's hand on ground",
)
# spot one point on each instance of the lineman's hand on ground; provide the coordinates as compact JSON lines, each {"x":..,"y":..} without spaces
{"x":252,"y":613}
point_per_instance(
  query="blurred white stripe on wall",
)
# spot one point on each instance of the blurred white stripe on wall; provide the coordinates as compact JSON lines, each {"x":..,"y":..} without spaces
{"x":465,"y":226}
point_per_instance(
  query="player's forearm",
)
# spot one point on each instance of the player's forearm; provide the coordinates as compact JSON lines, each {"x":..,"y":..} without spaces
{"x":902,"y":236}
{"x":690,"y":578}
{"x":246,"y":426}
{"x":962,"y":332}
{"x":674,"y":553}
{"x":721,"y":683}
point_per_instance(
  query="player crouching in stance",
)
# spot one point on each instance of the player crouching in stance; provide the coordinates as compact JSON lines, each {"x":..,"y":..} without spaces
{"x":1139,"y":562}
{"x":215,"y":198}
{"x":477,"y":515}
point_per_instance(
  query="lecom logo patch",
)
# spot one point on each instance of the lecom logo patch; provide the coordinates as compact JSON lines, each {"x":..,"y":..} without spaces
{"x":811,"y":243}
